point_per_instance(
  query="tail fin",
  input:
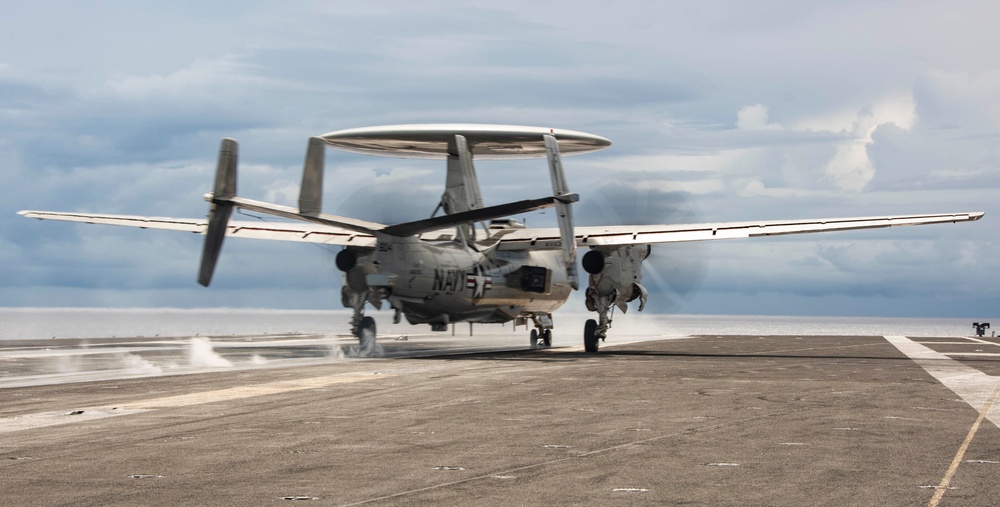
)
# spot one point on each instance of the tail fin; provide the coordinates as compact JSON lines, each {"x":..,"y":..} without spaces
{"x":220,"y":210}
{"x":311,"y":191}
{"x":461,"y":189}
{"x":564,"y":208}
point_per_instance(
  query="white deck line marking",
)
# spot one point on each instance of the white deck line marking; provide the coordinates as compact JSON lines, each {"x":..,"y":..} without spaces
{"x":43,"y":419}
{"x":984,"y":342}
{"x":970,"y":384}
{"x":971,"y":344}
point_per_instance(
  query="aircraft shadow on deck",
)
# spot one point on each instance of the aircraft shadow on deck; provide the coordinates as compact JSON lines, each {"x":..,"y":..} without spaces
{"x":541,"y":355}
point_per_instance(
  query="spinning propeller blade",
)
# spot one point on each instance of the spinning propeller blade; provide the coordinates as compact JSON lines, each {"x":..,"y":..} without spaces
{"x":673,"y":272}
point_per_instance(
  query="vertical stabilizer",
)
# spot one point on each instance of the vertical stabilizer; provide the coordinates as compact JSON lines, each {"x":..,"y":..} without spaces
{"x":468,"y":171}
{"x":220,"y":210}
{"x":564,"y":210}
{"x":311,"y":191}
{"x":461,"y":190}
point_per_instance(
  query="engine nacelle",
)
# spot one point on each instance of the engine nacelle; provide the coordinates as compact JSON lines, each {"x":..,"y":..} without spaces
{"x":346,"y":260}
{"x":356,"y":265}
{"x":593,"y":262}
{"x":615,"y":276}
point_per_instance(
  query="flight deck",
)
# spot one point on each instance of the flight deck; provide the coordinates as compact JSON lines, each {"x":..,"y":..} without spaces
{"x":702,"y":420}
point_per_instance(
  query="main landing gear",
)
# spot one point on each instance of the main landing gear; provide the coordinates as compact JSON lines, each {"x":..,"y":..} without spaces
{"x":594,"y":331}
{"x":366,"y":334}
{"x":545,"y":336}
{"x":363,"y":327}
{"x":591,"y":341}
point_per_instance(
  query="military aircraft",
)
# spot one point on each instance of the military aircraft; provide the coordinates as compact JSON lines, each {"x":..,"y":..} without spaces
{"x":470,"y":262}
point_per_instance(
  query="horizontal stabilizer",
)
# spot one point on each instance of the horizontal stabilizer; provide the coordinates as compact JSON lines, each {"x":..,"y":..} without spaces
{"x":408,"y":228}
{"x":475,"y":215}
{"x":278,"y":210}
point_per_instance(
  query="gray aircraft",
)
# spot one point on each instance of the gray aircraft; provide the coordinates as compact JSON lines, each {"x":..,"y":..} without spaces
{"x":470,"y":263}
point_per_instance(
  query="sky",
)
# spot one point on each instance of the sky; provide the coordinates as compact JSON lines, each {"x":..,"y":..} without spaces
{"x":718,"y":111}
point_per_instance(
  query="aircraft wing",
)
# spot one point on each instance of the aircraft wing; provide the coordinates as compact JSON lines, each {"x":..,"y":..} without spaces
{"x":618,"y":235}
{"x":281,"y":231}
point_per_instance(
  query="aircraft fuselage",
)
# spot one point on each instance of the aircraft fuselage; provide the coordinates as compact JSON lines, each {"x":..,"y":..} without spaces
{"x":445,"y":282}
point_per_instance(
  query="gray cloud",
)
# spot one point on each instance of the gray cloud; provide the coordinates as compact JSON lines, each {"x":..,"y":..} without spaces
{"x":858,"y":109}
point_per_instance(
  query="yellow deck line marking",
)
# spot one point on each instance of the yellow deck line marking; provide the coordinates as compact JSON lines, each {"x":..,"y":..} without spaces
{"x":975,"y":387}
{"x":961,"y":451}
{"x":43,"y":419}
{"x":235,"y":393}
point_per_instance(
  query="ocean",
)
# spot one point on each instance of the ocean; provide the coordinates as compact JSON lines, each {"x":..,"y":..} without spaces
{"x":47,"y":323}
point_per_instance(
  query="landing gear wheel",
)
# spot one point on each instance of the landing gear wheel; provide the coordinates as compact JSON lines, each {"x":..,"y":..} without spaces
{"x":547,"y":337}
{"x":534,"y":338}
{"x":590,"y":340}
{"x":366,"y":334}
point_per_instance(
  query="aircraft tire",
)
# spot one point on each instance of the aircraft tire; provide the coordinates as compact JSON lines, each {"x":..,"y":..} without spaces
{"x":590,"y":341}
{"x":534,"y":338}
{"x":366,"y":333}
{"x":547,"y":337}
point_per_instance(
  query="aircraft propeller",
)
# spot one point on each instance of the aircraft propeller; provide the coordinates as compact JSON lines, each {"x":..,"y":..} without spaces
{"x":673,"y":273}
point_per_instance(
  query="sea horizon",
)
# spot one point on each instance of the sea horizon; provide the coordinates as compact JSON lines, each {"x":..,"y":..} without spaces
{"x":35,"y":323}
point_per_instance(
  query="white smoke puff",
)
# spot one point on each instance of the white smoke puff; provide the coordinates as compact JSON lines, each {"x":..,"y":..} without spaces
{"x":71,"y":363}
{"x":68,"y":364}
{"x":202,"y":354}
{"x":336,"y":351}
{"x":373,"y":349}
{"x":136,"y":365}
{"x":258,"y":359}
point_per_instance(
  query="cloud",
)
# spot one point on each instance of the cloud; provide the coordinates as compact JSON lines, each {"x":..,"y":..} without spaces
{"x":748,"y":111}
{"x":850,"y":168}
{"x":952,"y":145}
{"x":754,"y":118}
